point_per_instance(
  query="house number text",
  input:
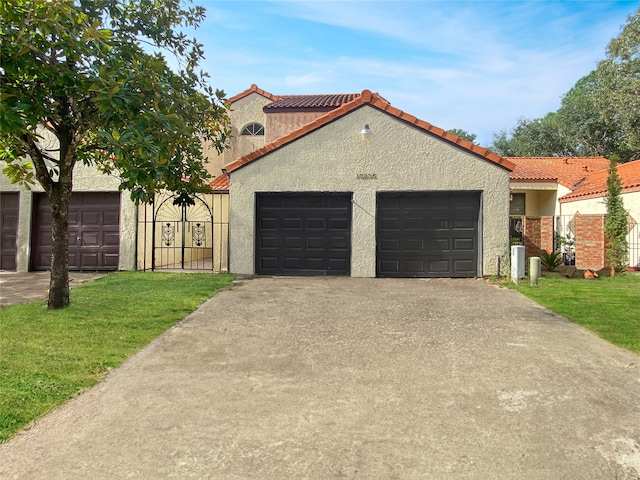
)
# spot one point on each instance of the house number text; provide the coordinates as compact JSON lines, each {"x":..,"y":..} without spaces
{"x":366,"y":176}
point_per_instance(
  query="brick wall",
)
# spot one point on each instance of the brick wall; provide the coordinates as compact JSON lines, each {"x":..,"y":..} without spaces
{"x":590,"y":243}
{"x":538,"y":235}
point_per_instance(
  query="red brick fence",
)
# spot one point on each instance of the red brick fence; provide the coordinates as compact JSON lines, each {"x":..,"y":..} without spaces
{"x":579,"y":237}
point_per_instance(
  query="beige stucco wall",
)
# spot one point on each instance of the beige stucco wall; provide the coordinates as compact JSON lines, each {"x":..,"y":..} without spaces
{"x":598,"y":205}
{"x":541,"y":199}
{"x":402,"y":158}
{"x":85,"y":179}
{"x":243,"y":112}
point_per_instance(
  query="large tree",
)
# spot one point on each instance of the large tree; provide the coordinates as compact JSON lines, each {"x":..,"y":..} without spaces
{"x":618,"y":92}
{"x":88,"y":81}
{"x":540,"y":137}
{"x":582,"y":124}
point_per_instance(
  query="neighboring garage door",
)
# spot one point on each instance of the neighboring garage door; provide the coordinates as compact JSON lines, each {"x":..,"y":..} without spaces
{"x":94,"y":231}
{"x":303,"y":233}
{"x":427,"y":234}
{"x":8,"y":230}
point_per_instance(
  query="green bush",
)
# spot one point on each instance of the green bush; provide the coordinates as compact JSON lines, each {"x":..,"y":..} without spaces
{"x":550,"y":261}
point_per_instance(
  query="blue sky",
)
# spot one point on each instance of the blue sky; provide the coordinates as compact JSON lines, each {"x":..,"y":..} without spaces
{"x":475,"y":65}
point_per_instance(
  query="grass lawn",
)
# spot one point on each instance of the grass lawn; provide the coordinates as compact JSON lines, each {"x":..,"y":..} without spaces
{"x":608,"y":306}
{"x":47,"y":357}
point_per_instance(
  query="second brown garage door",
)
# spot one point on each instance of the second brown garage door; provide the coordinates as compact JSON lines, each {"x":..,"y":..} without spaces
{"x":427,"y":234}
{"x":94,"y":231}
{"x":303,"y":233}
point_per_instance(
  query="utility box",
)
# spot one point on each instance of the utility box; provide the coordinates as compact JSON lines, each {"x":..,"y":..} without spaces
{"x":517,"y":262}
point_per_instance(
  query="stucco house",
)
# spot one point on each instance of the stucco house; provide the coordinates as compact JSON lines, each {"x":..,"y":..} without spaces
{"x":360,"y":188}
{"x":538,"y":182}
{"x":339,"y":184}
{"x":102,"y":223}
{"x":550,"y":191}
{"x":589,"y":197}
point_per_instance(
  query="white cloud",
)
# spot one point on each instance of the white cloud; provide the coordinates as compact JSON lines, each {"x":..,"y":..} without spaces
{"x":472,"y":65}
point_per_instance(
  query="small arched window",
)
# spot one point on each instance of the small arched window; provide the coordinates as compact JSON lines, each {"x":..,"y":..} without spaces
{"x":253,"y":129}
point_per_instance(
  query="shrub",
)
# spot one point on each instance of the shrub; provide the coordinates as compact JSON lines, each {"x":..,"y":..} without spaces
{"x":552,"y":260}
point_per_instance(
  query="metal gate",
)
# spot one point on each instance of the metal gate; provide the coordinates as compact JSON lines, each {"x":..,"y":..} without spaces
{"x":185,"y":229}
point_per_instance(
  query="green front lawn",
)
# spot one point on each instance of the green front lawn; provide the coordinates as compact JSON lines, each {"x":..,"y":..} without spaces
{"x":608,"y":306}
{"x":46,"y":357}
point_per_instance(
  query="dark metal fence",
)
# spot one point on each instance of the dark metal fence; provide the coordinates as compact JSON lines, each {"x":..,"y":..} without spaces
{"x":191,"y":234}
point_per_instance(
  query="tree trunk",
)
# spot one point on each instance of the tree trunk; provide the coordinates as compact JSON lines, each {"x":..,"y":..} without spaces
{"x":59,"y":282}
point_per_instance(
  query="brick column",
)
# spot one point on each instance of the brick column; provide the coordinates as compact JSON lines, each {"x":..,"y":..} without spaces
{"x":590,"y":242}
{"x":531,"y":236}
{"x":547,"y":233}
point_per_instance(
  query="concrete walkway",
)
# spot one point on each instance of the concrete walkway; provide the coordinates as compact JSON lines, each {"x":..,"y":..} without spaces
{"x":32,"y":286}
{"x":345,"y":378}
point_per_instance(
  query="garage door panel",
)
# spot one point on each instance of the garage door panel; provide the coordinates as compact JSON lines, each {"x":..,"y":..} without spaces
{"x":74,"y":219}
{"x":314,"y":243}
{"x":269,"y":223}
{"x":111,"y":239}
{"x":414,"y":266}
{"x":438,"y":245}
{"x":268,"y":263}
{"x":337,"y":223}
{"x":90,"y":239}
{"x":389,"y":266}
{"x":414,"y":223}
{"x":464,"y":244}
{"x":296,"y":243}
{"x":316,"y":224}
{"x":91,"y":217}
{"x":340,"y":243}
{"x":390,"y":224}
{"x":389,"y":245}
{"x":294,"y":263}
{"x":435,"y":234}
{"x":438,"y":224}
{"x":305,"y":233}
{"x":414,"y":245}
{"x":314,"y":263}
{"x":464,"y":224}
{"x":268,"y":242}
{"x":111,"y":218}
{"x":90,"y":259}
{"x":110,"y":259}
{"x":292,"y":223}
{"x":439,"y":266}
{"x":462,"y":267}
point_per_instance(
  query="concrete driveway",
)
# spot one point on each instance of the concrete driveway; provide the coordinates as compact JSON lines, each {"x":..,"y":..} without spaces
{"x":346,"y":378}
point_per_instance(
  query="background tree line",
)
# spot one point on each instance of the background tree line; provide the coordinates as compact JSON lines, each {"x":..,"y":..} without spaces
{"x":600,"y":115}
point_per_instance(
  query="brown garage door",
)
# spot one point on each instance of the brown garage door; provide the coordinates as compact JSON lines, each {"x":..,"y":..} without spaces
{"x":94,"y":231}
{"x":303,"y":233}
{"x":8,"y":230}
{"x":427,"y":234}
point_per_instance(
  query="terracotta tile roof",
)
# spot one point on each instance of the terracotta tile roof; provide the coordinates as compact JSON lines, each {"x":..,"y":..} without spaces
{"x":220,"y":183}
{"x":317,"y":102}
{"x":376,"y":101}
{"x":310,"y":102}
{"x":595,"y":185}
{"x":253,"y":89}
{"x":567,"y":171}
